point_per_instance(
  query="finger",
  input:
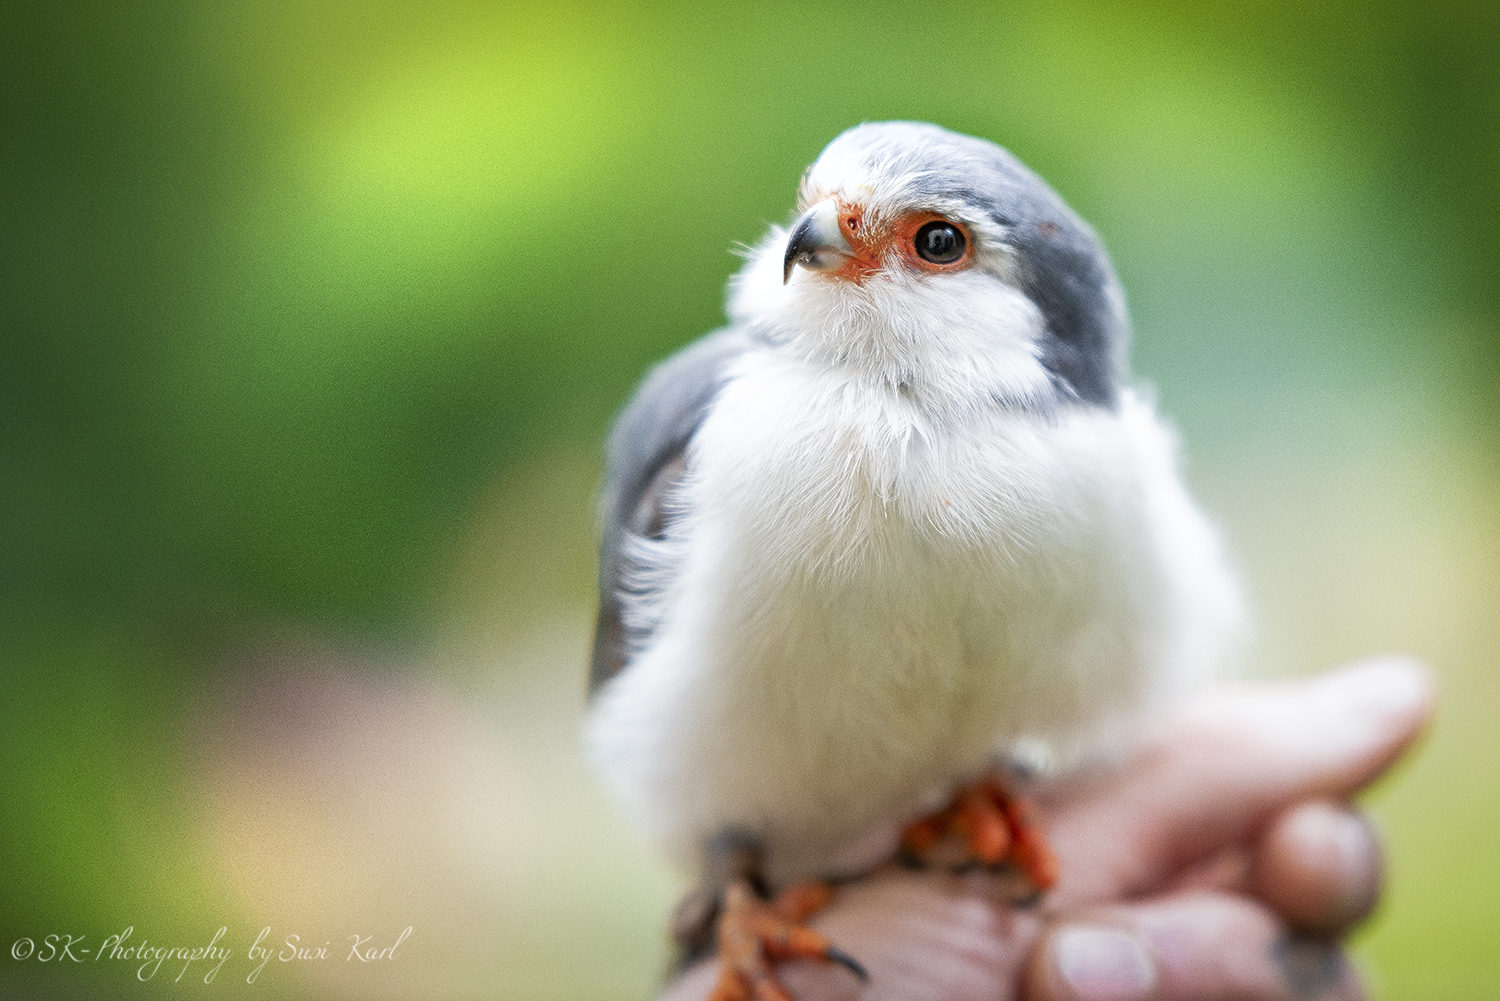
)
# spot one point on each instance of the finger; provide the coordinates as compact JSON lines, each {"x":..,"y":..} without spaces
{"x":1200,"y":945}
{"x":1318,"y":866}
{"x":1228,"y":764}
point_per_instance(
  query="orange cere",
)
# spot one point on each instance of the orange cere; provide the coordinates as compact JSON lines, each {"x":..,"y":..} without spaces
{"x":876,"y":241}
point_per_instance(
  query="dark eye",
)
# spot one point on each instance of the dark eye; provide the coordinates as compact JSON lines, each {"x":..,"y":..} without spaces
{"x":940,"y":242}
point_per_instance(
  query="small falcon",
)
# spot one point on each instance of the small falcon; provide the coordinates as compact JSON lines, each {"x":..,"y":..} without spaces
{"x":898,"y":535}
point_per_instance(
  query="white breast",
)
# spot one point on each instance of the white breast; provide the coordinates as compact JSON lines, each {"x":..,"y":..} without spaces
{"x":868,"y":599}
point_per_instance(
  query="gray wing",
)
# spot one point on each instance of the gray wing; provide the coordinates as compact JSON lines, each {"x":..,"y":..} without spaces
{"x":645,"y":459}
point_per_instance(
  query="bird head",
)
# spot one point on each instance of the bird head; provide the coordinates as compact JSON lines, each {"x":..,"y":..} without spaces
{"x":939,"y":262}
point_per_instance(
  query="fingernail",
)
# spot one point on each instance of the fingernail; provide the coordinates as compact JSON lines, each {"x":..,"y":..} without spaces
{"x":1102,"y":964}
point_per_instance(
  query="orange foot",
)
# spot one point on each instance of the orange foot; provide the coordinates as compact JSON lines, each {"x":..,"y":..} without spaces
{"x":754,"y":933}
{"x":995,"y":827}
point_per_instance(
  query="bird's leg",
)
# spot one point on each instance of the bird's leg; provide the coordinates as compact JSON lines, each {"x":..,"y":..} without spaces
{"x":751,"y":930}
{"x":995,"y":827}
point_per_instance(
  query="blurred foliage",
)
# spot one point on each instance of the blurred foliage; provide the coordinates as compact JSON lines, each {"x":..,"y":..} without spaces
{"x":286,"y":288}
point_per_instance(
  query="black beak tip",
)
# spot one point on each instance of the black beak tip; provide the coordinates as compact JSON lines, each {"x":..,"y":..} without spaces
{"x":796,"y":247}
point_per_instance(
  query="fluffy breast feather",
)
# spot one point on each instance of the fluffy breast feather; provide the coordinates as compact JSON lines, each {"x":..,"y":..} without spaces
{"x":864,"y":600}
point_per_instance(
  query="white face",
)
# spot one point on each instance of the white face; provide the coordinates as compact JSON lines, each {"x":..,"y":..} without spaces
{"x":918,"y":292}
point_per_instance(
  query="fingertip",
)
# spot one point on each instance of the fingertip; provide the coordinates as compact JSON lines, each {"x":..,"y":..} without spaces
{"x":1369,"y":713}
{"x":1091,"y":963}
{"x":1318,"y":865}
{"x":1395,"y":687}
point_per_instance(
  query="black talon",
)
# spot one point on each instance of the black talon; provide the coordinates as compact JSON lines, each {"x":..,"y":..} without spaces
{"x":848,"y":962}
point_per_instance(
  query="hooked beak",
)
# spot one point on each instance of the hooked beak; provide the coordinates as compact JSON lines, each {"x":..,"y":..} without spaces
{"x":816,"y":242}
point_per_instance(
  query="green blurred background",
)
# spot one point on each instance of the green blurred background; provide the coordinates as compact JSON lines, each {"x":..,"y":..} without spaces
{"x":313,"y":316}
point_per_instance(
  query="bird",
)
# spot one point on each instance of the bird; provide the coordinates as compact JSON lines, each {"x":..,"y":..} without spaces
{"x":905,"y":524}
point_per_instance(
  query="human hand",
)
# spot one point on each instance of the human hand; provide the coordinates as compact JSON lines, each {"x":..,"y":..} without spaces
{"x":1223,"y":861}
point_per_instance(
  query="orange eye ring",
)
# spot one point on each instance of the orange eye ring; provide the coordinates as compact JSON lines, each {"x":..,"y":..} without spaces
{"x":934,"y":243}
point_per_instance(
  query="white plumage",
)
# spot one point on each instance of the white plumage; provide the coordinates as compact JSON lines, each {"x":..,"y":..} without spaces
{"x":900,"y":541}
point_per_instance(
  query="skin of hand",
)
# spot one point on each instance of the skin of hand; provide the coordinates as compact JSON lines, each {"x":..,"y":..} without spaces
{"x":1223,"y":861}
